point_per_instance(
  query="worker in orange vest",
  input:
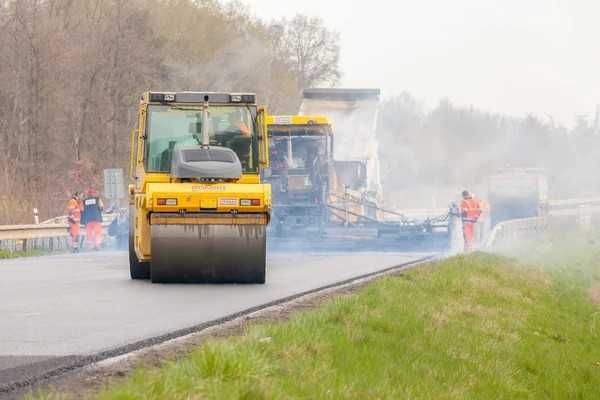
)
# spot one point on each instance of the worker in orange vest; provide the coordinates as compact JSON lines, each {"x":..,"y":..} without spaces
{"x":470,"y":209}
{"x":92,"y":217}
{"x":74,"y":209}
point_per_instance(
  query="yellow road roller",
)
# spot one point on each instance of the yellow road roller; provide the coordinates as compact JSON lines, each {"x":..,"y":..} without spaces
{"x":198,"y":209}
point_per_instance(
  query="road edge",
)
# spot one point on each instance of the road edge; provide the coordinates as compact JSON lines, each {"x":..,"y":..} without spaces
{"x":122,"y":352}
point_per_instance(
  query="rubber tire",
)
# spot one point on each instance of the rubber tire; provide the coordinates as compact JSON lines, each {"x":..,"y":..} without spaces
{"x":137,"y":268}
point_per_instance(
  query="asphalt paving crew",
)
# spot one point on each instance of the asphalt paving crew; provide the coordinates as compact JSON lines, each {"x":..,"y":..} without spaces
{"x":92,"y":218}
{"x":470,"y":209}
{"x":74,"y":209}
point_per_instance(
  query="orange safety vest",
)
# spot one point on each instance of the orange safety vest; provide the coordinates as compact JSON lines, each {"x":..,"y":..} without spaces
{"x":470,"y":209}
{"x":74,"y":211}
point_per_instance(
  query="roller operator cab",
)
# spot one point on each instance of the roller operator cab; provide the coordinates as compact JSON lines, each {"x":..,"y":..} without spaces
{"x":198,"y":208}
{"x":301,"y":162}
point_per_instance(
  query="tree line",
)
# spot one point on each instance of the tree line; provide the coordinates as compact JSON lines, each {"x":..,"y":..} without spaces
{"x":71,"y":72}
{"x":429,"y":156}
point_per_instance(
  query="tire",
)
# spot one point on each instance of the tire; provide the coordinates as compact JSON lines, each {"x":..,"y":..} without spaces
{"x":137,"y":268}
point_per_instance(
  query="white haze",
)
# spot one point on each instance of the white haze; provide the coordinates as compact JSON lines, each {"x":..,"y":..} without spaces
{"x":513,"y":56}
{"x":352,"y":120}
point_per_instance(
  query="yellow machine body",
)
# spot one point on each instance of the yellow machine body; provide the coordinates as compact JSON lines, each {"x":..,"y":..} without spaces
{"x":197,"y":229}
{"x":344,"y":203}
{"x":301,"y":151}
{"x":273,"y":120}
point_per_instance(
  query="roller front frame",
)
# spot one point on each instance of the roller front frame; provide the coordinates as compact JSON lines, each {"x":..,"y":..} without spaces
{"x":194,"y":198}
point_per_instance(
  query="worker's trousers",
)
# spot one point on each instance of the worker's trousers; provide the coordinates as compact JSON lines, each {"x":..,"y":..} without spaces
{"x":74,"y":235}
{"x":93,"y":232}
{"x":469,"y":234}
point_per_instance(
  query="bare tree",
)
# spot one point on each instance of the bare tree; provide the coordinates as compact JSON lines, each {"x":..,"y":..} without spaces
{"x":312,"y":50}
{"x":71,"y":72}
{"x":450,"y":147}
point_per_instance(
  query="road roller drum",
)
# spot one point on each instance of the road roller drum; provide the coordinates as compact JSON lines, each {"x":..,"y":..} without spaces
{"x":208,"y":249}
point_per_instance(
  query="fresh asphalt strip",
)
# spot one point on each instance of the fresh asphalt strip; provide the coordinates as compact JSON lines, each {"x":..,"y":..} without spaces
{"x":22,"y":377}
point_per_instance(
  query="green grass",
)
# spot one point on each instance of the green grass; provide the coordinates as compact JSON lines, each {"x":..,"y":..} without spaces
{"x":4,"y":254}
{"x":479,"y":326}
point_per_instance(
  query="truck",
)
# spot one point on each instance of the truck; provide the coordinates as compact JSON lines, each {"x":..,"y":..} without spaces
{"x":517,"y":193}
{"x":198,"y":208}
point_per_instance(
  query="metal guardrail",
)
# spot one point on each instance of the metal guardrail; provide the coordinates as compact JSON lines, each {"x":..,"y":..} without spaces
{"x":573,"y":203}
{"x":45,"y":236}
{"x":53,"y":235}
{"x":62,"y":219}
{"x":517,"y":229}
{"x":576,"y":213}
{"x":24,"y":232}
{"x":29,"y":237}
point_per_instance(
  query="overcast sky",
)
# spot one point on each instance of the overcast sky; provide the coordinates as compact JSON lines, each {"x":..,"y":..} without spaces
{"x":509,"y":56}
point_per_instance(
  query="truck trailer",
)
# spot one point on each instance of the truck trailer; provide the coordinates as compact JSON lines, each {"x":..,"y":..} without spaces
{"x":517,"y":193}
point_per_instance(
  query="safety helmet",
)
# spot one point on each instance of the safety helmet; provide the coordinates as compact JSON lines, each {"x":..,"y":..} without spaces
{"x":91,"y":192}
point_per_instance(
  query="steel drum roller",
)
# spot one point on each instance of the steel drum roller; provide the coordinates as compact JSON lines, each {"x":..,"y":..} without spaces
{"x":208,"y":249}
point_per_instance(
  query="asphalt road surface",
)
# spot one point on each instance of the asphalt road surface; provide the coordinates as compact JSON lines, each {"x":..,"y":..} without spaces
{"x":54,"y":309}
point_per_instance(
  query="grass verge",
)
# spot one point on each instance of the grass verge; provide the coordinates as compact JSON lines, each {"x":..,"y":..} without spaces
{"x":4,"y":254}
{"x":478,"y":326}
